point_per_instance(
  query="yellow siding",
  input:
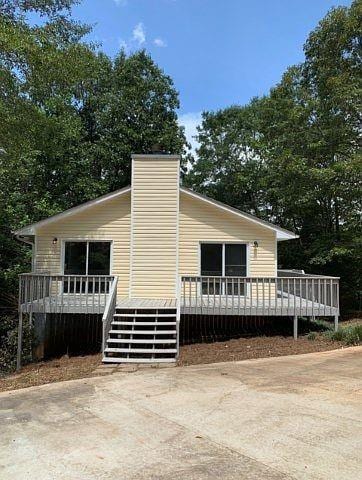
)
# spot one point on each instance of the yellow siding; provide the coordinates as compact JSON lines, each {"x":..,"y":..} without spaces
{"x":201,"y":222}
{"x":155,"y":200}
{"x":155,"y":233}
{"x":109,"y":221}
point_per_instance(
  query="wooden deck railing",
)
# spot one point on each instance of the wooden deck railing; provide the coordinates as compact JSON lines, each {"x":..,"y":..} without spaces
{"x":108,"y":312}
{"x":292,"y":295}
{"x":63,"y":293}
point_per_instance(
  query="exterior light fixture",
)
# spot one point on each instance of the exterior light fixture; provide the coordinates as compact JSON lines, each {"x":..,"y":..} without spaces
{"x":256,"y":244}
{"x":55,"y":240}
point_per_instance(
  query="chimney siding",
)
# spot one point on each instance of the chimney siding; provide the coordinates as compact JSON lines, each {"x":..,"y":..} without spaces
{"x":154,"y":226}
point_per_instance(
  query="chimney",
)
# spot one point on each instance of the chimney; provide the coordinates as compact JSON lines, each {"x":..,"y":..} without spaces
{"x":154,"y":226}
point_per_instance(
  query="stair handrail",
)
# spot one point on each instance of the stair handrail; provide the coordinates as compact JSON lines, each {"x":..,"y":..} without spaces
{"x":178,"y":314}
{"x":109,"y":311}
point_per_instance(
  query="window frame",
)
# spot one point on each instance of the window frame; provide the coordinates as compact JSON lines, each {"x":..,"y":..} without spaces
{"x":223,"y":253}
{"x":236,"y":242}
{"x":87,"y":241}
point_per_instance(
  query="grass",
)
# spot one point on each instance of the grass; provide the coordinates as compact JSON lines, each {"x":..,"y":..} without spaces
{"x":351,"y":335}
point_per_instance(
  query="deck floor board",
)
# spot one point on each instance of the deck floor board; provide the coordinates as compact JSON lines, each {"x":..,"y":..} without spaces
{"x":201,"y":305}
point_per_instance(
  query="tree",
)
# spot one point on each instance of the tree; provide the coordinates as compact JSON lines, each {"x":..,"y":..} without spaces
{"x":305,"y":137}
{"x":70,"y":119}
{"x":229,"y":166}
{"x":130,"y":108}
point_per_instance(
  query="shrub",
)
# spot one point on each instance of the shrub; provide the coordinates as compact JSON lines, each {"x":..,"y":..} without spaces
{"x":312,"y":336}
{"x":9,"y":343}
{"x":350,"y":335}
{"x":354,"y":335}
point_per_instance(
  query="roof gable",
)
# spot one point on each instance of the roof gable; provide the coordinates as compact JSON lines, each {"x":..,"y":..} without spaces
{"x":281,"y":233}
{"x":31,"y":229}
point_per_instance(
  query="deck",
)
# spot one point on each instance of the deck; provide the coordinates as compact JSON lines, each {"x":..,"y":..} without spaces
{"x":238,"y":296}
{"x":293,"y":296}
{"x":288,"y":305}
{"x":147,"y":303}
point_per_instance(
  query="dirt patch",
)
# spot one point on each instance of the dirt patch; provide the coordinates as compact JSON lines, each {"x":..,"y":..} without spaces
{"x":65,"y":368}
{"x":255,"y":347}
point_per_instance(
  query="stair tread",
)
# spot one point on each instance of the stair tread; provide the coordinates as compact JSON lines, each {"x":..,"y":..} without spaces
{"x":144,"y":332}
{"x":140,"y":350}
{"x":137,"y":360}
{"x":143,"y":324}
{"x":138,"y":340}
{"x":147,"y":315}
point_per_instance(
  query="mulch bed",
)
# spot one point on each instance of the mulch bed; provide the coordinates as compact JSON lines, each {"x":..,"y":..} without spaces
{"x":57,"y":370}
{"x":71,"y":368}
{"x":254,"y":347}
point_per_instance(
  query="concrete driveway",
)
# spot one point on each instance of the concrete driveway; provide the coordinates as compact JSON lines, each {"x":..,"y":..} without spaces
{"x":279,"y":418}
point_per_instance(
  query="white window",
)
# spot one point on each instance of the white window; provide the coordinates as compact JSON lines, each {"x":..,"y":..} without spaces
{"x":223,"y":260}
{"x":87,"y":257}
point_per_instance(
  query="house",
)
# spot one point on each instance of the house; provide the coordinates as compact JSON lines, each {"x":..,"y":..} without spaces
{"x":147,"y":255}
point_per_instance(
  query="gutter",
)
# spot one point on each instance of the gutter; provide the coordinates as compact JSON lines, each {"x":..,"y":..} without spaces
{"x":22,"y":238}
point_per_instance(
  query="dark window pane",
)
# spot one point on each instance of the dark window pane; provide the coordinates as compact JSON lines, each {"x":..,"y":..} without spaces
{"x":212,"y":287}
{"x":235,"y":288}
{"x":235,"y":260}
{"x":235,"y":254}
{"x":75,"y":257}
{"x":235,"y":270}
{"x":211,"y":259}
{"x":98,"y":286}
{"x":99,"y":258}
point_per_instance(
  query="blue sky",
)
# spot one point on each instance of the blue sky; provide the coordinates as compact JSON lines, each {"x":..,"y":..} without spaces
{"x":218,"y":52}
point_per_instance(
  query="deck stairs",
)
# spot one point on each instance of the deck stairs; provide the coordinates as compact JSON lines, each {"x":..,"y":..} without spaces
{"x":145,"y":334}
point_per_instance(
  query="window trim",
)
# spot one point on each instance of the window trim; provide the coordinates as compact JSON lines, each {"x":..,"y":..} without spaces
{"x":87,"y":240}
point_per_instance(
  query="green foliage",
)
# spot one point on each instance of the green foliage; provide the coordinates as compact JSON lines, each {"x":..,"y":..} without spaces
{"x":312,"y":336}
{"x":350,"y":335}
{"x":9,"y":342}
{"x":293,"y":157}
{"x":70,"y":119}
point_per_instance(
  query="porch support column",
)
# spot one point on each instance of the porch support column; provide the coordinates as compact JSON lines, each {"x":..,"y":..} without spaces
{"x":20,"y":339}
{"x":295,"y":327}
{"x":336,"y":323}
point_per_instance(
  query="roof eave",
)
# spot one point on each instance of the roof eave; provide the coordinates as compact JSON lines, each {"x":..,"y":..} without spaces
{"x":283,"y":237}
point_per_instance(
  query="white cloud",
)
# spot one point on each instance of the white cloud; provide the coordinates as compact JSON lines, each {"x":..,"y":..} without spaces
{"x":139,"y":34}
{"x":123,"y":45}
{"x":159,"y":42}
{"x":190,"y":122}
{"x":120,"y":3}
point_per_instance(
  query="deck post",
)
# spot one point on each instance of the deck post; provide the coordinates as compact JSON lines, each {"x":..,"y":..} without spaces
{"x":20,"y":339}
{"x":295,"y":327}
{"x":336,"y":323}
